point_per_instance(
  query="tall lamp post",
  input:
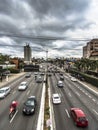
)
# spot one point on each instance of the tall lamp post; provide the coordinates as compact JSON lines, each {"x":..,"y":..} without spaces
{"x":46,"y":66}
{"x":7,"y":62}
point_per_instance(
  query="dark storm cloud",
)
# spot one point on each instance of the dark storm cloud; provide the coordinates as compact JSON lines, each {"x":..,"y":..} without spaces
{"x":41,"y":18}
{"x":58,"y":7}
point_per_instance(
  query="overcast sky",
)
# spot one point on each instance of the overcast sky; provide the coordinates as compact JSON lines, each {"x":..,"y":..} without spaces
{"x":62,"y":27}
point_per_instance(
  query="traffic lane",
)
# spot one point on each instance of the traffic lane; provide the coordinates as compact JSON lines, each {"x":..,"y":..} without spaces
{"x":85,"y":97}
{"x":20,"y":97}
{"x":74,"y":101}
{"x":13,"y":80}
{"x":77,"y":101}
{"x":86,"y":90}
{"x":30,"y":122}
{"x":61,"y":114}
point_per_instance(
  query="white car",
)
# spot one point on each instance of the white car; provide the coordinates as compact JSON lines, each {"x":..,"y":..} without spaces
{"x":4,"y":91}
{"x":73,"y":79}
{"x":23,"y":86}
{"x":60,"y":84}
{"x":56,"y":98}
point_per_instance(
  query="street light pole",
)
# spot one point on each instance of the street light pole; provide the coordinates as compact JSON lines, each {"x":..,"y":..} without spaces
{"x":46,"y":66}
{"x":7,"y":62}
{"x":47,"y":59}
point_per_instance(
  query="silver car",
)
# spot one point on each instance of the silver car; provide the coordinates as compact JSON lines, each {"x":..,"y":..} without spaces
{"x":23,"y":86}
{"x":4,"y":91}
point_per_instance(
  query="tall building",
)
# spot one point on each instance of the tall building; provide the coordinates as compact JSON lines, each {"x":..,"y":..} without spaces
{"x":27,"y":54}
{"x":85,"y":52}
{"x":91,"y":50}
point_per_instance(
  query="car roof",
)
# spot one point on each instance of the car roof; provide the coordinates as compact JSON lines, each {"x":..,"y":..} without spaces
{"x":60,"y":81}
{"x":23,"y":82}
{"x":4,"y":88}
{"x":31,"y":97}
{"x":55,"y":95}
{"x":79,"y":112}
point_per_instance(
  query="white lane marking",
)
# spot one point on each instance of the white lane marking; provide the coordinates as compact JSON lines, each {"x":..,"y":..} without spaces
{"x":13,"y":116}
{"x":77,"y":93}
{"x":86,"y":93}
{"x":67,"y":113}
{"x":89,"y":96}
{"x":81,"y":89}
{"x":70,"y":94}
{"x":93,"y":99}
{"x":95,"y":111}
{"x":28,"y":92}
{"x":14,"y":92}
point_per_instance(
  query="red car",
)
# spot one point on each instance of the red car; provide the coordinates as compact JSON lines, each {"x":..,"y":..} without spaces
{"x":79,"y":117}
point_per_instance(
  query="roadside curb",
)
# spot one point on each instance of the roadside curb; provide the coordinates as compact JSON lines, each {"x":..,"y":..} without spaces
{"x":40,"y":124}
{"x":10,"y":79}
{"x":52,"y":126}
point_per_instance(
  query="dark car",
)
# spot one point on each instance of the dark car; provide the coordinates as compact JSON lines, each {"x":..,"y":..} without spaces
{"x":29,"y":106}
{"x":61,"y":77}
{"x":28,"y":75}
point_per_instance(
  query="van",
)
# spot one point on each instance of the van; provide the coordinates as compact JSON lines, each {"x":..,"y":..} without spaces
{"x":4,"y":91}
{"x":79,"y":117}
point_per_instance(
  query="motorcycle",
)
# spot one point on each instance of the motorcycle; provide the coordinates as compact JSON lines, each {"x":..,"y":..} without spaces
{"x":11,"y":112}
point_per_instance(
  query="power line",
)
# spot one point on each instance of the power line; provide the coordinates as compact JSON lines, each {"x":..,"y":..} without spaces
{"x":44,"y":37}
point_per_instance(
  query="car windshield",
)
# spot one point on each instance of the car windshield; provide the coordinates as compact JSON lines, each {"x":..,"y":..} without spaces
{"x":82,"y":119}
{"x":2,"y":91}
{"x":22,"y":84}
{"x":29,"y":103}
{"x":56,"y":97}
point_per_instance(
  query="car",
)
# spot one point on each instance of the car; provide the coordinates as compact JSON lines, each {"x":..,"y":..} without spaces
{"x":50,"y":74}
{"x":73,"y":79}
{"x":79,"y":117}
{"x":38,"y":79}
{"x":61,"y":77}
{"x":28,"y":75}
{"x":23,"y":86}
{"x":61,"y":73}
{"x":56,"y":98}
{"x":42,"y":73}
{"x":4,"y":91}
{"x":32,"y":98}
{"x":29,"y":106}
{"x":35,"y":73}
{"x":60,"y":84}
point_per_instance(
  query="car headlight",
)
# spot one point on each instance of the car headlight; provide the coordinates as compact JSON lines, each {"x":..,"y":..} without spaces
{"x":24,"y":109}
{"x":32,"y":110}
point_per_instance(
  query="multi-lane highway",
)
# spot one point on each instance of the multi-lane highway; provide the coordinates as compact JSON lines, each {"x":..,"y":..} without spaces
{"x":20,"y":121}
{"x":73,"y":94}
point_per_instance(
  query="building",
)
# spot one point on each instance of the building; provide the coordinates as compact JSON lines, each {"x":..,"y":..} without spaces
{"x":27,"y":54}
{"x":85,"y":52}
{"x":91,"y":50}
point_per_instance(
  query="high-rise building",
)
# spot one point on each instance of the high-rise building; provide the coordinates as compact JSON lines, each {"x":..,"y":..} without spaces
{"x":27,"y":54}
{"x":91,"y":49}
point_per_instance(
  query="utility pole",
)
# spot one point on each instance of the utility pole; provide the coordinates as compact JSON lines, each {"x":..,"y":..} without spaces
{"x":46,"y":66}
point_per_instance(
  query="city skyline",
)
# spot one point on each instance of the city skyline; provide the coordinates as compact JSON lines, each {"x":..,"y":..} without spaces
{"x":60,"y":26}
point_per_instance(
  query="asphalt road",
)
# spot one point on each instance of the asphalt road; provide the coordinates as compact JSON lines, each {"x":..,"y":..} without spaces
{"x":74,"y":94}
{"x":19,"y":121}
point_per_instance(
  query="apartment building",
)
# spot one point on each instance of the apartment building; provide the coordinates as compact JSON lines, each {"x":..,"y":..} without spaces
{"x":27,"y":54}
{"x":91,"y":50}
